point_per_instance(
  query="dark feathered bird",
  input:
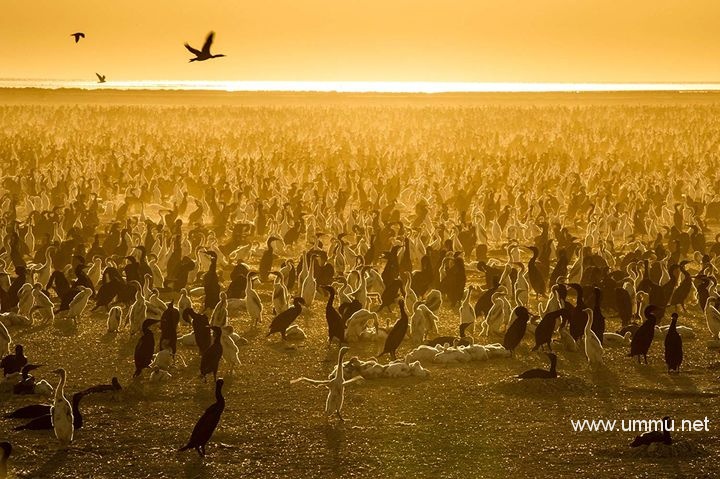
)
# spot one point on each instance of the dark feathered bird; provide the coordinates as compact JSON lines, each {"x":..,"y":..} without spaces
{"x":336,"y":325}
{"x":101,"y":78}
{"x":210,"y":359}
{"x":101,"y":388}
{"x":535,"y":276}
{"x":516,"y":329}
{"x":545,"y":329}
{"x":673,"y":346}
{"x":578,"y":317}
{"x":13,"y":363}
{"x":624,"y":306}
{"x":650,"y":437}
{"x":281,"y":322}
{"x":211,"y":284}
{"x":266,"y":261}
{"x":348,"y":309}
{"x":29,"y":412}
{"x":78,"y":36}
{"x":27,"y":382}
{"x":44,"y":422}
{"x":542,"y":373}
{"x":397,"y":333}
{"x":643,"y":337}
{"x":201,"y":329}
{"x":145,"y":347}
{"x":205,"y":427}
{"x":204,"y":54}
{"x":168,"y":327}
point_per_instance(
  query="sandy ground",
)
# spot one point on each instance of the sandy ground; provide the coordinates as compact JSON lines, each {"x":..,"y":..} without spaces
{"x":464,"y":419}
{"x":470,"y":420}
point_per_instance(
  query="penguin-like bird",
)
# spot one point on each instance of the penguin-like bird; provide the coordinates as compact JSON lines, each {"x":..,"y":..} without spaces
{"x":208,"y":422}
{"x":282,"y":321}
{"x":397,"y":333}
{"x":673,"y":346}
{"x":643,"y":337}
{"x":210,"y":359}
{"x":145,"y":347}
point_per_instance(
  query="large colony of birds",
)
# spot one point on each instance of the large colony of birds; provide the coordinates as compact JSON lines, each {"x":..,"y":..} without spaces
{"x":163,"y":255}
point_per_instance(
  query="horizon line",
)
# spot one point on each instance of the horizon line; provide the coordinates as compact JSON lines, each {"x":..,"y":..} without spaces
{"x":324,"y":86}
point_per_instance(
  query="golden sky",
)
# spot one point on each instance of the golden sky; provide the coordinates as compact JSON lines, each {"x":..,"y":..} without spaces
{"x":366,"y":40}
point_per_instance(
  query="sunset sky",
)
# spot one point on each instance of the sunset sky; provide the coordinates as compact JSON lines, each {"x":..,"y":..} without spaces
{"x":367,"y":40}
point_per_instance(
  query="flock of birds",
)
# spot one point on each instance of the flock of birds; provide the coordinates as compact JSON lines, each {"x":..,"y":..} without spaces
{"x":200,"y":55}
{"x":581,"y":265}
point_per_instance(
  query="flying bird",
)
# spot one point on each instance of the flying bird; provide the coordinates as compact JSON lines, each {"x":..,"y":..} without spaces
{"x":78,"y":36}
{"x":101,"y":78}
{"x":204,"y":54}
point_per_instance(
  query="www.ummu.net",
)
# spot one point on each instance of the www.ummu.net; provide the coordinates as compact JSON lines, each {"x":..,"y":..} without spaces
{"x":638,"y":425}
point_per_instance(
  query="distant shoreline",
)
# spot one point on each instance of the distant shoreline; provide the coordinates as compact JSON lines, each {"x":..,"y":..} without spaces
{"x":34,"y":95}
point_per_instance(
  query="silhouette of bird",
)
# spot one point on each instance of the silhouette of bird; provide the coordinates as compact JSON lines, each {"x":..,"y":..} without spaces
{"x":650,"y":437}
{"x":673,"y":346}
{"x":204,"y":54}
{"x":78,"y":36}
{"x":101,"y":78}
{"x":643,"y":337}
{"x":205,"y":427}
{"x":542,"y":373}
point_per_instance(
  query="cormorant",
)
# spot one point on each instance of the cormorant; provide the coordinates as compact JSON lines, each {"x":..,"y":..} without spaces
{"x":205,"y":427}
{"x":204,"y":54}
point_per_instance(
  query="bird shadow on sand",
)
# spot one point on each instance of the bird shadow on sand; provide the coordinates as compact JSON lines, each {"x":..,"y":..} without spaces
{"x":335,"y":442}
{"x":36,"y":327}
{"x":604,"y":379}
{"x":651,"y":374}
{"x":196,"y":467}
{"x":54,"y":462}
{"x":108,"y":337}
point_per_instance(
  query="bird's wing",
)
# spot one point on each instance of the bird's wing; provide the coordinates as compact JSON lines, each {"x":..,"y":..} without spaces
{"x":208,"y":42}
{"x":315,"y":382}
{"x":193,"y":50}
{"x":100,"y":77}
{"x":356,"y":378}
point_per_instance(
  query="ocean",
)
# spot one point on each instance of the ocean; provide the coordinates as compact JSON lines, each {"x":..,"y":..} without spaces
{"x":358,"y":87}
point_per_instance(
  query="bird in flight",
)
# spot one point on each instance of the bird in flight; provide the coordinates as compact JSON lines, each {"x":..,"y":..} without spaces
{"x":78,"y":36}
{"x":101,"y":78}
{"x":204,"y":54}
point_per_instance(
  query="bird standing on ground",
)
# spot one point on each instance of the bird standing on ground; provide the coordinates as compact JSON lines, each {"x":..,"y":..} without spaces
{"x":643,"y":337}
{"x":673,"y":346}
{"x":335,"y":386}
{"x":61,"y":412}
{"x":205,"y":427}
